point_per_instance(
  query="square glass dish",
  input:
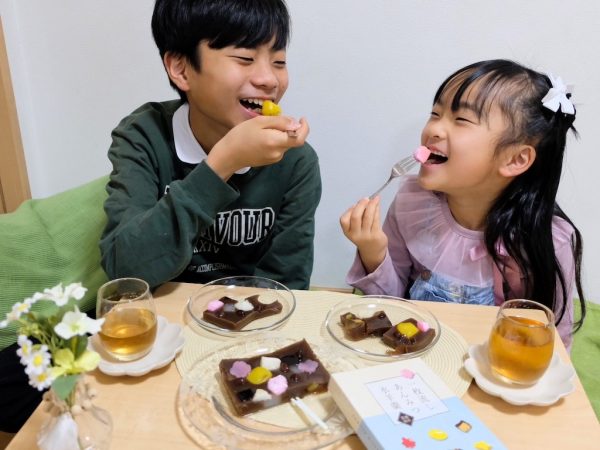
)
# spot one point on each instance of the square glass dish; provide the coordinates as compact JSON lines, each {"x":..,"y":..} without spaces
{"x":208,"y":416}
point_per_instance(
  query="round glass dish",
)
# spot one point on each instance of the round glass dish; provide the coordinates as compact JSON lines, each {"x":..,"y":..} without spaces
{"x":207,"y":417}
{"x":372,"y":347}
{"x":238,"y":288}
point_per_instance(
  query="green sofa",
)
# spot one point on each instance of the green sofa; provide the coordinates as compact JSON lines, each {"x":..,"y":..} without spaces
{"x":49,"y":241}
{"x":585,"y":355}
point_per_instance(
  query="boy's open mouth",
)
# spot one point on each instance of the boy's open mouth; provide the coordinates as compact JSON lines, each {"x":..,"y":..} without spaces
{"x":436,"y":158}
{"x":253,"y":104}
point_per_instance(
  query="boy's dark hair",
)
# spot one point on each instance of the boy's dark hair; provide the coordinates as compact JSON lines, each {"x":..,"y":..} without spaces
{"x":178,"y":26}
{"x":521,"y":217}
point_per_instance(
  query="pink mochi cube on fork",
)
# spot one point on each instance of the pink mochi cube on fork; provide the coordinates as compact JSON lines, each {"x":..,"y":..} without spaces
{"x":421,"y":154}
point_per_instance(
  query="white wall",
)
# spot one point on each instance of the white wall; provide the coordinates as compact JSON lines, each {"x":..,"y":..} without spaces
{"x":363,"y":73}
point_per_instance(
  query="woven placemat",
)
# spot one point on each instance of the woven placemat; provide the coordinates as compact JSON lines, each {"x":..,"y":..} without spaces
{"x":446,"y":357}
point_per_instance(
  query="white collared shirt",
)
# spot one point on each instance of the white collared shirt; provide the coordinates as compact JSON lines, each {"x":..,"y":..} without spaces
{"x":187,"y":147}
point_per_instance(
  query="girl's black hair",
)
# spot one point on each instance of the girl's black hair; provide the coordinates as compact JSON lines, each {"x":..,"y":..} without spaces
{"x":521,"y":217}
{"x":178,"y":26}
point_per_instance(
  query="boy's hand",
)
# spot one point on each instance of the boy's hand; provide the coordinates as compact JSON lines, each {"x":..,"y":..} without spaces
{"x":361,"y":225}
{"x":256,"y":142}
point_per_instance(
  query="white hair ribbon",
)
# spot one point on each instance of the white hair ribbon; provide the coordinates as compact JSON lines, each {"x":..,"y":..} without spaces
{"x":557,"y":96}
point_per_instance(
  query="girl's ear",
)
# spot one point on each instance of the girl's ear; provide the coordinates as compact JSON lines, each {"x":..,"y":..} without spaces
{"x":176,"y":67}
{"x":517,"y":160}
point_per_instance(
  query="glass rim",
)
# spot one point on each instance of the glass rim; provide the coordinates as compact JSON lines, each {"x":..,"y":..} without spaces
{"x":140,"y":295}
{"x":539,"y":306}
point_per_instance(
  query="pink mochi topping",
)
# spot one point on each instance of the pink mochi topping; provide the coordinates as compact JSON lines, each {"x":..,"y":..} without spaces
{"x":277,"y":385}
{"x":240,"y":369}
{"x":422,"y":326}
{"x":421,"y":154}
{"x":308,"y":366}
{"x":214,"y":305}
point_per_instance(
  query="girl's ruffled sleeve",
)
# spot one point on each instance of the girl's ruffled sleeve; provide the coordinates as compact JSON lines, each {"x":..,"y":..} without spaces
{"x":392,"y":275}
{"x":382,"y":281}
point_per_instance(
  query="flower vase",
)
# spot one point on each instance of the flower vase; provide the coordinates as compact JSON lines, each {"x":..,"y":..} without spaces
{"x":75,"y":424}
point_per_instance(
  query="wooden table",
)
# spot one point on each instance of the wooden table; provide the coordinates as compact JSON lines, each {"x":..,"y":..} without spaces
{"x":143,"y":409}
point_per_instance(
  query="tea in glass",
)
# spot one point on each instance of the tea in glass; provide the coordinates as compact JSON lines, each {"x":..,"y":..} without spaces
{"x":521,"y":342}
{"x":129,"y":329}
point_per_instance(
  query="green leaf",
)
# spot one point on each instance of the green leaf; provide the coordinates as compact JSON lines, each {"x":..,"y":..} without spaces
{"x":88,"y":361}
{"x":80,"y":345}
{"x":48,"y":311}
{"x":63,"y":386}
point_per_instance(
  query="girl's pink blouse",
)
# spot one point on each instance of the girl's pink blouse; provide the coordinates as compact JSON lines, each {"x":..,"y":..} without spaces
{"x":423,"y":236}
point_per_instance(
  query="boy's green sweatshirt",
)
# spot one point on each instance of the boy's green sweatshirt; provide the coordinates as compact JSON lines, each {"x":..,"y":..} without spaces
{"x":169,"y":220}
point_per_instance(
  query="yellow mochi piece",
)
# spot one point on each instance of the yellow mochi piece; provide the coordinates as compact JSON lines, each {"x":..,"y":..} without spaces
{"x":270,"y":109}
{"x":407,"y":329}
{"x":259,"y":375}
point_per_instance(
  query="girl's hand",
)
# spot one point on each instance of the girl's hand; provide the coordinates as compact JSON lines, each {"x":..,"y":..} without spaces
{"x":362,"y":226}
{"x":260,"y":141}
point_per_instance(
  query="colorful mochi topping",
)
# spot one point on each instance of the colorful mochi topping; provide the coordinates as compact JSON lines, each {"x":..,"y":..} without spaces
{"x":308,"y":366}
{"x":215,"y":305}
{"x":422,"y":325}
{"x":244,"y":305}
{"x":263,"y":381}
{"x":259,"y":375}
{"x":407,"y":329}
{"x":270,"y":363}
{"x":278,"y":385}
{"x":235,"y":314}
{"x":421,"y":154}
{"x":270,"y":108}
{"x":240,"y":369}
{"x":261,"y":396}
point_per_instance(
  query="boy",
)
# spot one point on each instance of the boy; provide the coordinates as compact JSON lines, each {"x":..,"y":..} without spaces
{"x":205,"y":187}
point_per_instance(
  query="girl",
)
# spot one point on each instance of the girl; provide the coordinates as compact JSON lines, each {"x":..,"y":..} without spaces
{"x":480,"y":223}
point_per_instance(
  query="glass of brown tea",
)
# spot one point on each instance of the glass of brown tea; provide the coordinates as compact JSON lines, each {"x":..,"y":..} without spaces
{"x":521,"y":342}
{"x":129,"y":328}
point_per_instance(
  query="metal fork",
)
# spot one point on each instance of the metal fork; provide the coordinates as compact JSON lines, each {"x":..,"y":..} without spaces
{"x":399,"y":169}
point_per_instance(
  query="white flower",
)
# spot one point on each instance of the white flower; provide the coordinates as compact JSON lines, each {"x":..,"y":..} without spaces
{"x":13,"y":315}
{"x":75,"y":290}
{"x":18,"y":309}
{"x":41,"y":380}
{"x":25,"y":348}
{"x":61,"y":296}
{"x":77,"y":323}
{"x":37,"y":296}
{"x":37,"y":361}
{"x":55,"y":294}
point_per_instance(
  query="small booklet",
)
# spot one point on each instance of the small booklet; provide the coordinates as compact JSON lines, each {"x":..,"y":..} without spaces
{"x":406,"y":405}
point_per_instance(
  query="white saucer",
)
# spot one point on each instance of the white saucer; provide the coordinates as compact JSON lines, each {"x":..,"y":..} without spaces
{"x":169,"y":341}
{"x":554,"y":384}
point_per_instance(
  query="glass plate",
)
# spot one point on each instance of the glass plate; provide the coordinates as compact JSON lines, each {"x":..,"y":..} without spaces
{"x":372,"y":347}
{"x":209,"y":419}
{"x":238,"y":288}
{"x":556,"y":382}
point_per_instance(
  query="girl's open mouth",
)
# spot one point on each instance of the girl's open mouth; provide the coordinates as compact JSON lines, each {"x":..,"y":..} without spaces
{"x":436,"y":158}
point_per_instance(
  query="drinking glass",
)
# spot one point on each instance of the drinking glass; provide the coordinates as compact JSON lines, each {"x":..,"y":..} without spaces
{"x":521,"y":342}
{"x":129,"y":328}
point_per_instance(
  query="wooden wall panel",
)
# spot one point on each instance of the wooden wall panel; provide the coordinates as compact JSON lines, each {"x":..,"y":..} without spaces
{"x":14,"y":183}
